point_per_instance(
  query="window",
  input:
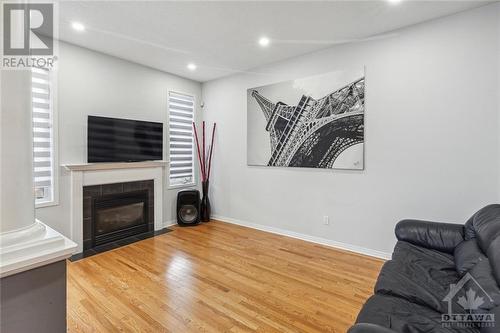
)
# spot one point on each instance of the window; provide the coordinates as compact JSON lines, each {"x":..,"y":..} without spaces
{"x":43,"y":137}
{"x":180,"y":134}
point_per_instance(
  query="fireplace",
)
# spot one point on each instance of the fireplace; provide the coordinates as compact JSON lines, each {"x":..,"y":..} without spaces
{"x":119,"y":216}
{"x":116,"y":213}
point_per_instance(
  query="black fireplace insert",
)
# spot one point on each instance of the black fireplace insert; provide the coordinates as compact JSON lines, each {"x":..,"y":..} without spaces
{"x":118,"y":216}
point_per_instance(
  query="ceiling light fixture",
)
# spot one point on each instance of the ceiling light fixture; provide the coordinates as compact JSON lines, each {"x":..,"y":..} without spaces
{"x":78,"y":26}
{"x":264,"y":41}
{"x":191,"y":66}
{"x":394,"y":1}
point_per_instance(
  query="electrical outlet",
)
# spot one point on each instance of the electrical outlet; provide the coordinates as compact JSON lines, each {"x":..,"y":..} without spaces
{"x":326,"y":220}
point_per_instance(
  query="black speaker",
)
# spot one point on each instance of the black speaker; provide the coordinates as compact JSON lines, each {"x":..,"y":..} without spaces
{"x":188,"y":207}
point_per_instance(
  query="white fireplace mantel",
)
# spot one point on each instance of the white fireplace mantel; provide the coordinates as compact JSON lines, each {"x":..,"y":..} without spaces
{"x":108,"y":173}
{"x":113,"y":166}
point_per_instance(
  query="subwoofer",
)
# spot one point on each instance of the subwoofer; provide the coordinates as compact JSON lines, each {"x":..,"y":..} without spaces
{"x":188,"y":207}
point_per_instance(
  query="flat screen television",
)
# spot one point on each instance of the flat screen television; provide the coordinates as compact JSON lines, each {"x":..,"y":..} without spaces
{"x":123,"y":140}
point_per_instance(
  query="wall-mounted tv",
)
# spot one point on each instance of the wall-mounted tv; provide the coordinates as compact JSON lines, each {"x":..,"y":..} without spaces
{"x":123,"y":140}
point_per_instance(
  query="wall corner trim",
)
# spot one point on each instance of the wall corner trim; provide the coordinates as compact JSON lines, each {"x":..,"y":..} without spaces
{"x":169,"y":223}
{"x":307,"y":238}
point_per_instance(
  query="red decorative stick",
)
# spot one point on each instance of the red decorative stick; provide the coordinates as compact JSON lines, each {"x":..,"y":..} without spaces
{"x":204,"y":159}
{"x":199,"y":155}
{"x":211,"y":149}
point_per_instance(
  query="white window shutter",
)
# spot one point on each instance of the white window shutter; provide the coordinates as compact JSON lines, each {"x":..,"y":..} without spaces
{"x":43,"y":146}
{"x":180,"y":134}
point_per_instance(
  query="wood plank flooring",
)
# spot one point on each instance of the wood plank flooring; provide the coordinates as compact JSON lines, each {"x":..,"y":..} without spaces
{"x":219,"y":277}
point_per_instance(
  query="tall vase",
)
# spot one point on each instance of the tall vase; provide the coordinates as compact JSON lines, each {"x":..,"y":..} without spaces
{"x":205,"y":202}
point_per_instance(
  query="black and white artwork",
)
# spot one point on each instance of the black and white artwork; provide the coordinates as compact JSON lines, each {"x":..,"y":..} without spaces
{"x":314,"y":122}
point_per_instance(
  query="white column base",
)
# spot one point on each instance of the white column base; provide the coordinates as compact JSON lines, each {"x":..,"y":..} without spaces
{"x":34,"y":246}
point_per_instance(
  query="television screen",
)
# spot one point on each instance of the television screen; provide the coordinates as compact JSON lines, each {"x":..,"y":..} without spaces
{"x":123,"y":140}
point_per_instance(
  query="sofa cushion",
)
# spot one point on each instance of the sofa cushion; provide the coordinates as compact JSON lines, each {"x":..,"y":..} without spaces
{"x":443,"y":237}
{"x":414,"y":284}
{"x":418,"y":275}
{"x":427,"y":287}
{"x":403,"y":316}
{"x":485,"y":226}
{"x":409,"y":252}
{"x":483,"y":286}
{"x":469,"y":232}
{"x":494,"y":257}
{"x":467,"y":255}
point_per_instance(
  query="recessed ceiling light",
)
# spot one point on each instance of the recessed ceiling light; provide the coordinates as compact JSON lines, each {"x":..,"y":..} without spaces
{"x":191,"y":66}
{"x":78,"y":26}
{"x":394,"y":1}
{"x":264,"y":41}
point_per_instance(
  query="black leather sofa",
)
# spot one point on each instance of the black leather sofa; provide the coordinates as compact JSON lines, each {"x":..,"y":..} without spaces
{"x":413,"y":290}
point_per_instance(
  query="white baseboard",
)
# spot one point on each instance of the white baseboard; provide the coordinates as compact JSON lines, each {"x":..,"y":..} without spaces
{"x":307,"y":238}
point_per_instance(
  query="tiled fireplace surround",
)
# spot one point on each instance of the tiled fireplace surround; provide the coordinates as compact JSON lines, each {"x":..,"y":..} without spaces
{"x":107,"y":175}
{"x":95,"y":191}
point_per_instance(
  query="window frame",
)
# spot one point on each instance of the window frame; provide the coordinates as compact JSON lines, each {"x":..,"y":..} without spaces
{"x":54,"y":144}
{"x":194,"y":181}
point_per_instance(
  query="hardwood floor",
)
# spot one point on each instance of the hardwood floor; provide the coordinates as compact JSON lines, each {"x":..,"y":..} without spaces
{"x":219,"y":277}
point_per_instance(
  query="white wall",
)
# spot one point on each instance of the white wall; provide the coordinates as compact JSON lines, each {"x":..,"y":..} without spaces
{"x":432,"y":143}
{"x":91,"y":83}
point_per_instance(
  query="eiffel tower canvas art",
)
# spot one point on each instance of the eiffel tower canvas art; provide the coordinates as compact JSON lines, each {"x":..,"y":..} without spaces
{"x":315,"y":122}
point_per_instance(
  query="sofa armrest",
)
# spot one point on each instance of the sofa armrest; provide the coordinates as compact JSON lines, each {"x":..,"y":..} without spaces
{"x":443,"y":237}
{"x":369,"y":328}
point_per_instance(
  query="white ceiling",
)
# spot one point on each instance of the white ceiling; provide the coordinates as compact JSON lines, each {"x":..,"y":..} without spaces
{"x":221,"y":37}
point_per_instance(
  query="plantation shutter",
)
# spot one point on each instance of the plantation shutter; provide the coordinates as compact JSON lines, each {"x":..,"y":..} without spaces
{"x":43,"y":151}
{"x":180,"y":118}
